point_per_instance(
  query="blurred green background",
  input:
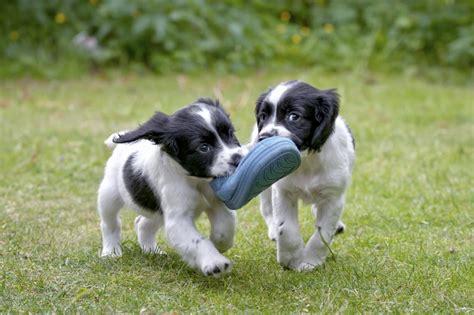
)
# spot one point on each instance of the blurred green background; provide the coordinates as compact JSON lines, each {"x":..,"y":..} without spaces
{"x":63,"y":38}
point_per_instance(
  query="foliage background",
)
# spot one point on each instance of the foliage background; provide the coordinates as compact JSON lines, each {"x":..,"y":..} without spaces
{"x":41,"y":37}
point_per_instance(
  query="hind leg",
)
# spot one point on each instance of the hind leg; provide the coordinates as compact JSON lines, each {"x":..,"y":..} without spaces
{"x":146,"y":228}
{"x":109,"y":205}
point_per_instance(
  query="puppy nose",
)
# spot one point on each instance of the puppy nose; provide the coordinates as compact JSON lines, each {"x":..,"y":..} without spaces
{"x":235,"y":159}
{"x":267,"y":134}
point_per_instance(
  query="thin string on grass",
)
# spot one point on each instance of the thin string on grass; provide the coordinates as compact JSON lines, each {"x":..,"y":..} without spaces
{"x":326,"y":243}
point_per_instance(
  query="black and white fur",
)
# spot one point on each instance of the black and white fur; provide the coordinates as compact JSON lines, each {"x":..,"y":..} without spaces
{"x":162,"y":170}
{"x":310,"y":118}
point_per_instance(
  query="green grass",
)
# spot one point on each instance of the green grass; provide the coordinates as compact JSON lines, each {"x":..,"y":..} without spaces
{"x":409,"y":244}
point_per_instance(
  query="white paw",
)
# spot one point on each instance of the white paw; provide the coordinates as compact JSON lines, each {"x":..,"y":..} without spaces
{"x":290,"y":247}
{"x":312,"y":259}
{"x":306,"y":266}
{"x":216,"y":267}
{"x":290,"y":259}
{"x":152,"y":249}
{"x":111,"y":251}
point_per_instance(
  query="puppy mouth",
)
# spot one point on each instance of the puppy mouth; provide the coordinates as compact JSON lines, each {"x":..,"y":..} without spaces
{"x":298,"y":142}
{"x":230,"y":171}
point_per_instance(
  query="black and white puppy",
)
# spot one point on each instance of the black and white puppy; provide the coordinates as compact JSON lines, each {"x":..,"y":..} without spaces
{"x":310,"y":118}
{"x":162,"y":170}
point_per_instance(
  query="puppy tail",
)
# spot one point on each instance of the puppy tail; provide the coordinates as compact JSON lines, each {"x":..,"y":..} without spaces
{"x":109,"y":142}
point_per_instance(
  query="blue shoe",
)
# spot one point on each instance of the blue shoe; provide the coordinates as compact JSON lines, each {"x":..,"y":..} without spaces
{"x":270,"y":160}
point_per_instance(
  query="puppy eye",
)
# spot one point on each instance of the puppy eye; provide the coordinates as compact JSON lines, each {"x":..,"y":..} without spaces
{"x":204,"y":148}
{"x":262,"y":117}
{"x":293,"y":117}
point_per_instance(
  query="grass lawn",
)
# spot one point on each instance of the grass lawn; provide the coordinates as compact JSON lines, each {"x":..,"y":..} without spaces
{"x":409,"y":243}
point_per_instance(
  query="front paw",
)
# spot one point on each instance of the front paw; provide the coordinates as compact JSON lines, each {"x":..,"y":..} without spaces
{"x":290,"y":259}
{"x":312,"y":259}
{"x":216,"y":267}
{"x":306,"y":266}
{"x":154,"y":249}
{"x":111,"y":251}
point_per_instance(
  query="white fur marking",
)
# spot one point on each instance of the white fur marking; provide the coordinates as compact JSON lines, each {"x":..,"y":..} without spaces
{"x":206,"y":115}
{"x":277,"y":92}
{"x":221,"y":163}
{"x":275,"y":96}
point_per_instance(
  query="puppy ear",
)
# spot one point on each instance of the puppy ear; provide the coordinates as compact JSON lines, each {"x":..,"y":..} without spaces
{"x":153,"y":130}
{"x":260,"y":100}
{"x":326,"y":111}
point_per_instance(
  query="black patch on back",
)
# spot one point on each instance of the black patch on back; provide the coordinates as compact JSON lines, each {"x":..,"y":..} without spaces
{"x":139,"y":188}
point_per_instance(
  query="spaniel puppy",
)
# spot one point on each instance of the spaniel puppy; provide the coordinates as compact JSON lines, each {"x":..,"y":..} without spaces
{"x":309,"y":117}
{"x":162,"y":170}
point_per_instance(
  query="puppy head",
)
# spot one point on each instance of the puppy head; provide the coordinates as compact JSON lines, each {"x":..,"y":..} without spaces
{"x":298,"y":111}
{"x":200,"y":137}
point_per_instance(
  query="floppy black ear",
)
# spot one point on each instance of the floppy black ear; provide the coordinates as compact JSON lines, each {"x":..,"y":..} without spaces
{"x":326,"y":111}
{"x":153,"y":130}
{"x":260,"y":100}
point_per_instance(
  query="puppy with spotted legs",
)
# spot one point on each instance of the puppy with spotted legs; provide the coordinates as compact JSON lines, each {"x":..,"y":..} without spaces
{"x":162,"y":170}
{"x":310,"y":118}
